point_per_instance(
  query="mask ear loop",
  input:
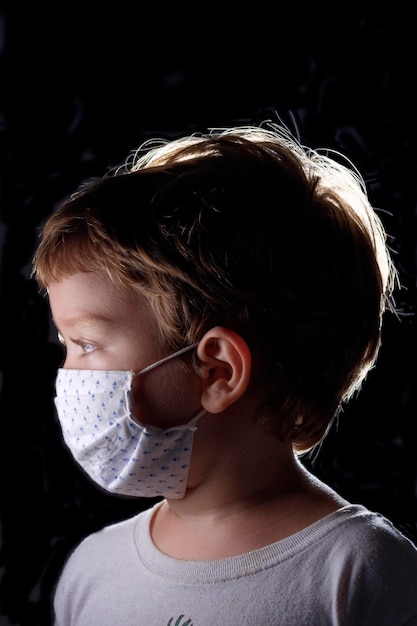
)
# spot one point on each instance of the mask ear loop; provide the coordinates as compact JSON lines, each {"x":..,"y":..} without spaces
{"x":191,"y":425}
{"x":165,"y":359}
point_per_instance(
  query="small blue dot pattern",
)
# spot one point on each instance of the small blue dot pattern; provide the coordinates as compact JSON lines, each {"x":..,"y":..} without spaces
{"x":118,"y":452}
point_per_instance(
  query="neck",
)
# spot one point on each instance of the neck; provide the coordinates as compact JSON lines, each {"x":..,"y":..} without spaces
{"x":237,"y":482}
{"x":237,"y":501}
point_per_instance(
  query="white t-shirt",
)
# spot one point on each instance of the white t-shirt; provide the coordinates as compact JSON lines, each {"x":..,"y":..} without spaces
{"x":352,"y":567}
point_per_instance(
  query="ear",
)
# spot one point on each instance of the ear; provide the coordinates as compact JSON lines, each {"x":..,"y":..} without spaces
{"x":225,"y":368}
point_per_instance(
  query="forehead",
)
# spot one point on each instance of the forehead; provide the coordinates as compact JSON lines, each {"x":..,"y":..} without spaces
{"x":93,"y":299}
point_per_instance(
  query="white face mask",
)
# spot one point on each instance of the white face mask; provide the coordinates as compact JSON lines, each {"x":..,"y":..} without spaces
{"x":118,"y":452}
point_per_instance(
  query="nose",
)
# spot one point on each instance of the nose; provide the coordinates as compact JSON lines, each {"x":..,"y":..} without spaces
{"x":66,"y":365}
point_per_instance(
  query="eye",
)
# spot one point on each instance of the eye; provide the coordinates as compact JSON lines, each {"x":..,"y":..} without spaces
{"x":61,"y":339}
{"x":86,"y":346}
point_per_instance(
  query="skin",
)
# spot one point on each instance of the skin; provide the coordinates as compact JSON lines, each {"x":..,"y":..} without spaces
{"x":246,"y":488}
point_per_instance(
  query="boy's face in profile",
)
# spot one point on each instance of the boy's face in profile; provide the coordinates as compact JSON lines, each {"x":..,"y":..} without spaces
{"x":103,"y":326}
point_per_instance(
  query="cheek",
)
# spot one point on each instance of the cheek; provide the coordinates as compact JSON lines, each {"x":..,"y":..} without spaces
{"x":165,"y":400}
{"x":147,"y":402}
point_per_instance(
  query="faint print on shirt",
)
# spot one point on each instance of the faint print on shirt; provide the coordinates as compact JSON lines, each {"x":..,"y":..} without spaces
{"x":179,"y":622}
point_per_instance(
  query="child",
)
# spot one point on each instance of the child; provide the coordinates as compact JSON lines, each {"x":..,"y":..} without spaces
{"x":219,"y":300}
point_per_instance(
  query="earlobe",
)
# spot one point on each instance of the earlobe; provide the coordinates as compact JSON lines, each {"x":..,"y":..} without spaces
{"x":225,"y":368}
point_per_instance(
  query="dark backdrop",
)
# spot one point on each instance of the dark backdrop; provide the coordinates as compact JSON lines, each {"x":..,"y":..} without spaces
{"x":81,"y":86}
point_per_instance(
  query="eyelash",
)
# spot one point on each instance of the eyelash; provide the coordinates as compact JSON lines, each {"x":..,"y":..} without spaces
{"x":86,"y":347}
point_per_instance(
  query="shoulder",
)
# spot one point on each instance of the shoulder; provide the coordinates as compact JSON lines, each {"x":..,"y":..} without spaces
{"x":366,"y":543}
{"x":373,"y":566}
{"x":370,"y":526}
{"x":108,"y":556}
{"x":114,"y":539}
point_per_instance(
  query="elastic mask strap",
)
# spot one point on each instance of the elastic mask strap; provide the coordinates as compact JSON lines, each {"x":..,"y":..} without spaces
{"x":196,"y":418}
{"x":189,"y":425}
{"x":165,"y":359}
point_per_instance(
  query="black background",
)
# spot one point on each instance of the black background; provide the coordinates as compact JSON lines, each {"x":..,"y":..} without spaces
{"x":81,"y":86}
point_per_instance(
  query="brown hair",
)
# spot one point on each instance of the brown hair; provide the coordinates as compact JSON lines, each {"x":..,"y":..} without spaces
{"x":247,"y":229}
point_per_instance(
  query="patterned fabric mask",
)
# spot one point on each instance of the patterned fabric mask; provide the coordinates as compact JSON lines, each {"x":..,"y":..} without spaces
{"x":118,"y":452}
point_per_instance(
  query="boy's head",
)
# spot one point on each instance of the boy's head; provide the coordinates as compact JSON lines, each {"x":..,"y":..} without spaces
{"x":248,"y":230}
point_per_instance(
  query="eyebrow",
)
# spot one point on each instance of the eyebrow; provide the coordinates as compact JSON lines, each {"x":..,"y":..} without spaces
{"x":85,"y":320}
